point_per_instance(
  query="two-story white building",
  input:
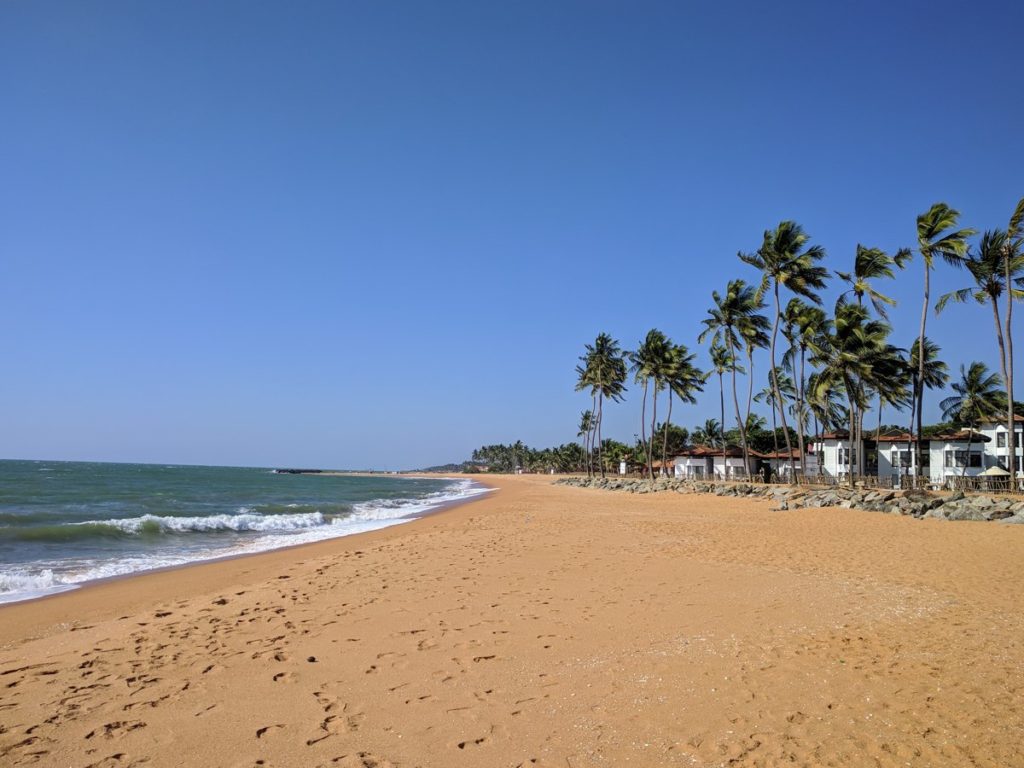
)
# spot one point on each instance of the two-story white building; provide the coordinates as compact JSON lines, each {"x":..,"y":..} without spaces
{"x":892,"y":456}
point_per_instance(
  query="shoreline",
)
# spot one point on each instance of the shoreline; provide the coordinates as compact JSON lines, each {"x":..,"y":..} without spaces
{"x":542,"y":626}
{"x":7,"y":609}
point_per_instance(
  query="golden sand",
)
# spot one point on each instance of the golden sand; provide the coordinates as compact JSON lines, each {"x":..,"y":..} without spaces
{"x":543,"y":626}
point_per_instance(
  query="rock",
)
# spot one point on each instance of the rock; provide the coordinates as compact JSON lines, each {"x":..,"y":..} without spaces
{"x":964,"y":512}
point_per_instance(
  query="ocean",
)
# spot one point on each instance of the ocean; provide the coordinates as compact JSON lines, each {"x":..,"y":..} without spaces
{"x":63,"y":524}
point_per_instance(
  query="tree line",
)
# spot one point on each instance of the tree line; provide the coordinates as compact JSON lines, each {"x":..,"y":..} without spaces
{"x":833,"y":366}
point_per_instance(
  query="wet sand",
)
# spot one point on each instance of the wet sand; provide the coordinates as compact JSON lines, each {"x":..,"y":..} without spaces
{"x":543,"y":626}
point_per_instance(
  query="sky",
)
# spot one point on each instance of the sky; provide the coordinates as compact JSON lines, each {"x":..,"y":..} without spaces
{"x":379,"y":234}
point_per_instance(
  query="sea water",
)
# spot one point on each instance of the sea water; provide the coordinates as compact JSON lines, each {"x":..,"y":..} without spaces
{"x":66,"y":523}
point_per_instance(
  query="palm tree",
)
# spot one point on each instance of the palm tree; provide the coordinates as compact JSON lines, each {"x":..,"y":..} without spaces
{"x":871,"y":264}
{"x":767,"y":396}
{"x":1014,"y":247}
{"x":977,"y":399}
{"x":650,"y":364}
{"x":722,"y":361}
{"x":586,"y":428}
{"x":892,"y":382}
{"x":823,"y":405}
{"x":709,"y":433}
{"x":785,"y":261}
{"x":603,"y":370}
{"x":991,"y":266}
{"x":754,"y":332}
{"x":731,"y":314}
{"x":683,"y":379}
{"x":801,"y":323}
{"x":936,"y":236}
{"x":847,"y":356}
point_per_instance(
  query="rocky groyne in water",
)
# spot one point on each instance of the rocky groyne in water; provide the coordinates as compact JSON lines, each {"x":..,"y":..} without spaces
{"x":912,"y":503}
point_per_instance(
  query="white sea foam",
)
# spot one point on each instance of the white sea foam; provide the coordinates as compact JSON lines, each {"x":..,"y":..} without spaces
{"x":20,"y":584}
{"x":26,"y":582}
{"x":245,"y":520}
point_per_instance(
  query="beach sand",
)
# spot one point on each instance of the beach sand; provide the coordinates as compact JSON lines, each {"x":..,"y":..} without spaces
{"x":543,"y":626}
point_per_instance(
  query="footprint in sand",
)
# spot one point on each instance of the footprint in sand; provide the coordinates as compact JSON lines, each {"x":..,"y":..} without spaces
{"x":358,"y":760}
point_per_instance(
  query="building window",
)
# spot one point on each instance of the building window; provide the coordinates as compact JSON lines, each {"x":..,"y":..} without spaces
{"x":844,"y":456}
{"x":900,"y":459}
{"x":1001,"y":439}
{"x":958,"y":459}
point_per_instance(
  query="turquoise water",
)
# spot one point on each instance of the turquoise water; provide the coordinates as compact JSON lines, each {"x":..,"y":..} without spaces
{"x":66,"y":523}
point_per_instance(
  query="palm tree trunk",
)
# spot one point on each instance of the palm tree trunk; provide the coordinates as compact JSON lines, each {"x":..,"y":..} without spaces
{"x":721,"y":398}
{"x":919,"y":394}
{"x":750,"y":382}
{"x":821,"y":467}
{"x":849,"y":444}
{"x":775,"y":431}
{"x":1011,"y":463}
{"x":664,"y":442}
{"x":643,"y":423}
{"x":654,"y":422}
{"x":967,"y":460}
{"x":910,"y":430}
{"x":1011,"y":426}
{"x":861,"y":458}
{"x":739,"y":421}
{"x":851,"y":416}
{"x":600,"y":416}
{"x":779,"y":403}
{"x":590,"y":436}
{"x":750,"y":398}
{"x":800,"y":426}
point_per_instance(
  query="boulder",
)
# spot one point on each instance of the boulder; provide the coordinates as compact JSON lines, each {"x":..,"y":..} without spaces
{"x":963,"y":512}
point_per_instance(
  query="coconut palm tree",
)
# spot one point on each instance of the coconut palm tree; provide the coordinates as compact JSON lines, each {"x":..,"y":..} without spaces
{"x":650,"y":363}
{"x":786,"y":261}
{"x":603,"y":370}
{"x":709,"y":433}
{"x":801,"y":323}
{"x":722,"y":361}
{"x":824,"y":406}
{"x":1014,"y":247}
{"x":846,"y":356}
{"x":767,"y":396}
{"x":871,"y":264}
{"x":585,"y":431}
{"x":977,"y":399}
{"x":731,"y":314}
{"x":991,"y":265}
{"x":683,"y":379}
{"x":937,"y":235}
{"x":754,"y":333}
{"x":891,"y":382}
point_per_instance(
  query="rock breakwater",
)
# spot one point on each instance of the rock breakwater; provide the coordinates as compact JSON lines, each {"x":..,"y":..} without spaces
{"x":912,"y":503}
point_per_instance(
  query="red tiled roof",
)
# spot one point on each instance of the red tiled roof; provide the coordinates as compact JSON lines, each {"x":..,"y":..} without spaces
{"x":962,"y":436}
{"x":731,"y":451}
{"x":780,"y":454}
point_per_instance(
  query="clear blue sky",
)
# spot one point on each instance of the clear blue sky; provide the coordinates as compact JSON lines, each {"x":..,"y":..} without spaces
{"x":377,"y":234}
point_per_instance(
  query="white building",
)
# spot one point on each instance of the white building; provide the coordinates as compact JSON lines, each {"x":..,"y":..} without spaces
{"x":892,"y":456}
{"x":703,"y":463}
